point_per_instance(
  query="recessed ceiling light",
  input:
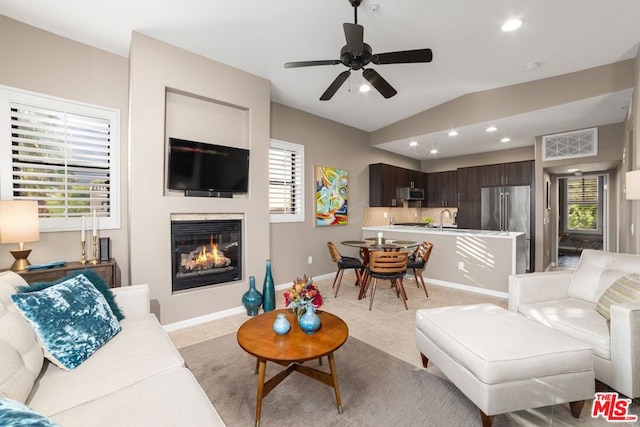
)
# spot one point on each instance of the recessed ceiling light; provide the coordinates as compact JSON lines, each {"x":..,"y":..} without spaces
{"x":492,"y":129}
{"x":413,"y":143}
{"x":365,"y":88}
{"x":531,"y":65}
{"x":505,"y":139}
{"x":572,"y":170}
{"x":453,"y":133}
{"x":434,"y":151}
{"x":511,"y":25}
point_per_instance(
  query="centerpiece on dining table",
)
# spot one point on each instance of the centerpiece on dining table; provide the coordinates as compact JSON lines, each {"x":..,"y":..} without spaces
{"x":304,"y":298}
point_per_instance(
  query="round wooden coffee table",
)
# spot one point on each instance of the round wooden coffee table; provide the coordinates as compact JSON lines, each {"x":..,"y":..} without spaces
{"x":256,"y":337}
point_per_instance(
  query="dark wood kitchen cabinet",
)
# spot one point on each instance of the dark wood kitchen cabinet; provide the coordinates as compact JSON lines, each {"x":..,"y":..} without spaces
{"x":468,"y":197}
{"x":468,"y":183}
{"x":442,"y":189}
{"x":469,"y":215}
{"x":384,"y":181}
{"x":514,"y":173}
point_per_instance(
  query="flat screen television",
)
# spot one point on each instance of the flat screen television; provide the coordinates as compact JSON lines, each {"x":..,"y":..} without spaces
{"x":198,"y":166}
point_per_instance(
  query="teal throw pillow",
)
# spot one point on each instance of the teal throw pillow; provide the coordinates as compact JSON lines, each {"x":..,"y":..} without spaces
{"x":72,"y":320}
{"x":15,"y":414}
{"x":93,"y":277}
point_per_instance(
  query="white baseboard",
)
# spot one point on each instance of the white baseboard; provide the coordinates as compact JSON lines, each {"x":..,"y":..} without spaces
{"x":240,"y":309}
{"x":226,"y":313}
{"x":467,"y":288}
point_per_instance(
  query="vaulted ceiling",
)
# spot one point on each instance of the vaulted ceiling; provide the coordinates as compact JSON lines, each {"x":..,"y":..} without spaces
{"x":470,"y":52}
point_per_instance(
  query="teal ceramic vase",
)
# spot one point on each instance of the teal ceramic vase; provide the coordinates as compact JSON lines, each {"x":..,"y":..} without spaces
{"x":309,"y":322}
{"x":252,"y":299}
{"x":268,"y":290}
{"x":281,"y":325}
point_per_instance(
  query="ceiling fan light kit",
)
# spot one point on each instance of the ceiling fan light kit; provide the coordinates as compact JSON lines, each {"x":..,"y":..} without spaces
{"x":356,"y":55}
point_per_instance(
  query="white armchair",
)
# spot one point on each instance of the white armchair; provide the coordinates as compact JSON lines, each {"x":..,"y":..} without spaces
{"x":566,"y":301}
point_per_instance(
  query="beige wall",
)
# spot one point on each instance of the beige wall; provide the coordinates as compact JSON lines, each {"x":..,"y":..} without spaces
{"x":154,"y":67}
{"x":90,"y":75}
{"x":326,"y":143}
{"x":494,"y":157}
{"x":508,"y":101}
{"x":41,"y":62}
{"x":610,"y":148}
{"x":634,"y":128}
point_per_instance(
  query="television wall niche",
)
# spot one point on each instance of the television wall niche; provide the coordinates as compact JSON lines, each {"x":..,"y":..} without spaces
{"x":195,"y":118}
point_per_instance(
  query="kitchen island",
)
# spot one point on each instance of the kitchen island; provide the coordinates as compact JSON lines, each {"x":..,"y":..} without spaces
{"x":473,"y":260}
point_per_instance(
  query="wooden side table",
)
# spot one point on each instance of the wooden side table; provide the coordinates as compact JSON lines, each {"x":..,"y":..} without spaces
{"x":107,"y":269}
{"x":256,"y":337}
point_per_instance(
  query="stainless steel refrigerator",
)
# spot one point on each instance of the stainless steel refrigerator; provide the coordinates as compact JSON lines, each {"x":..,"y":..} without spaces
{"x":508,"y":209}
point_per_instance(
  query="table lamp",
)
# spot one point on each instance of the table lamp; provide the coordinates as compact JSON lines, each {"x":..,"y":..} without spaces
{"x":633,"y":185}
{"x":19,"y":224}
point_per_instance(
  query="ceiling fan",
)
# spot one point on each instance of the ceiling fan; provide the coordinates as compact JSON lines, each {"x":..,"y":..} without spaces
{"x":356,"y":54}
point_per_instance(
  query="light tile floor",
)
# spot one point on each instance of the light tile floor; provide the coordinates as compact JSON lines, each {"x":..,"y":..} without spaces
{"x":390,"y":328}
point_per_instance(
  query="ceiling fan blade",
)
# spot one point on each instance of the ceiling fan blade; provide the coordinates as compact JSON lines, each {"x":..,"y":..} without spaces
{"x":403,"y":57}
{"x":311,"y":63}
{"x":333,"y":87}
{"x":354,"y":34}
{"x":379,"y":83}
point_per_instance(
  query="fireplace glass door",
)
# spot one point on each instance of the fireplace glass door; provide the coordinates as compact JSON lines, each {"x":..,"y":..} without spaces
{"x":206,"y":253}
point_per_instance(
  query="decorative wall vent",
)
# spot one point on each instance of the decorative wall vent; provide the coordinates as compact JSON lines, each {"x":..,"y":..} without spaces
{"x":567,"y":145}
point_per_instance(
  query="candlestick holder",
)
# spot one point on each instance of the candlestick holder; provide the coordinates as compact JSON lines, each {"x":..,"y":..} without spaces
{"x":83,"y":259}
{"x":95,"y":260}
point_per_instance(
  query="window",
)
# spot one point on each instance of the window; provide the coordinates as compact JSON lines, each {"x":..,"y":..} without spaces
{"x":286,"y":182}
{"x":583,"y":196}
{"x":64,"y":154}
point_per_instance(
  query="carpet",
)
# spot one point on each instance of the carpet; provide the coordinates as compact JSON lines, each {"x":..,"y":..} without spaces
{"x":377,"y":389}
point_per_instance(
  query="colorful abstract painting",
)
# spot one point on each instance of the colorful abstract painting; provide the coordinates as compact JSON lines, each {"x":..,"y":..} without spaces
{"x":331,"y":196}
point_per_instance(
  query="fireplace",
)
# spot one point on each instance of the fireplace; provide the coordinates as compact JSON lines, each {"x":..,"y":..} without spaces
{"x":205,"y":252}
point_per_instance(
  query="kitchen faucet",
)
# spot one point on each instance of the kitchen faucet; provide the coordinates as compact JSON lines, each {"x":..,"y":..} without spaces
{"x":442,"y":215}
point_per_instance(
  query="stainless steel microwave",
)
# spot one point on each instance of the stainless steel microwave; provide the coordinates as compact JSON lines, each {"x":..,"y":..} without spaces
{"x":408,"y":193}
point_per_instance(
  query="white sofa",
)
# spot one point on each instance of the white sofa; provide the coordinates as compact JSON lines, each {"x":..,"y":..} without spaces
{"x":566,"y":301}
{"x":138,"y":378}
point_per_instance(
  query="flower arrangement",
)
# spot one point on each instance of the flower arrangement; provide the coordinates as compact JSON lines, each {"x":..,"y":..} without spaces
{"x":302,"y":294}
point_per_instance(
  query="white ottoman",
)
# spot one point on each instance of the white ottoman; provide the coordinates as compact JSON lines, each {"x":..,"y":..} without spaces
{"x":504,"y":362}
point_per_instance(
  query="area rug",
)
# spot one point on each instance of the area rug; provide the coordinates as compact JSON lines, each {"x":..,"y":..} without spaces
{"x":377,"y":389}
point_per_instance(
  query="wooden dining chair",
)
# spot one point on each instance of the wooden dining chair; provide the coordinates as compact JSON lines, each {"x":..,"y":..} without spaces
{"x":418,"y":260}
{"x":344,"y":263}
{"x":387,"y":266}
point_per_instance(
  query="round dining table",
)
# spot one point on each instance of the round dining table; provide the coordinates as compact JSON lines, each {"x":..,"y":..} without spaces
{"x":373,"y":244}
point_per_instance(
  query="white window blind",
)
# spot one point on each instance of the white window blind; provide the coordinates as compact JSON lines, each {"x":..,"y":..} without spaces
{"x":583,"y":203}
{"x":63,"y":155}
{"x":286,"y":182}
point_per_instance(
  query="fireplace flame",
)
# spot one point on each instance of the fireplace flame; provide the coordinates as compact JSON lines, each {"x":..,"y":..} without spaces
{"x":206,"y":259}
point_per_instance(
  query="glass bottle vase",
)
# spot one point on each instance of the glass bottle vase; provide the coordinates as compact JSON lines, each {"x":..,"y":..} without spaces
{"x":252,"y":299}
{"x":268,"y":290}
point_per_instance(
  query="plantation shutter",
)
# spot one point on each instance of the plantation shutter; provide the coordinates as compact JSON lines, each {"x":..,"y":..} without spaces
{"x":583,"y":204}
{"x":62,"y":154}
{"x":286,"y":182}
{"x":582,"y":190}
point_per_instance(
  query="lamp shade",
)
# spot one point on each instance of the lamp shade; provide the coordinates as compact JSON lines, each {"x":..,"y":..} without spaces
{"x":19,"y":221}
{"x":633,"y":185}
